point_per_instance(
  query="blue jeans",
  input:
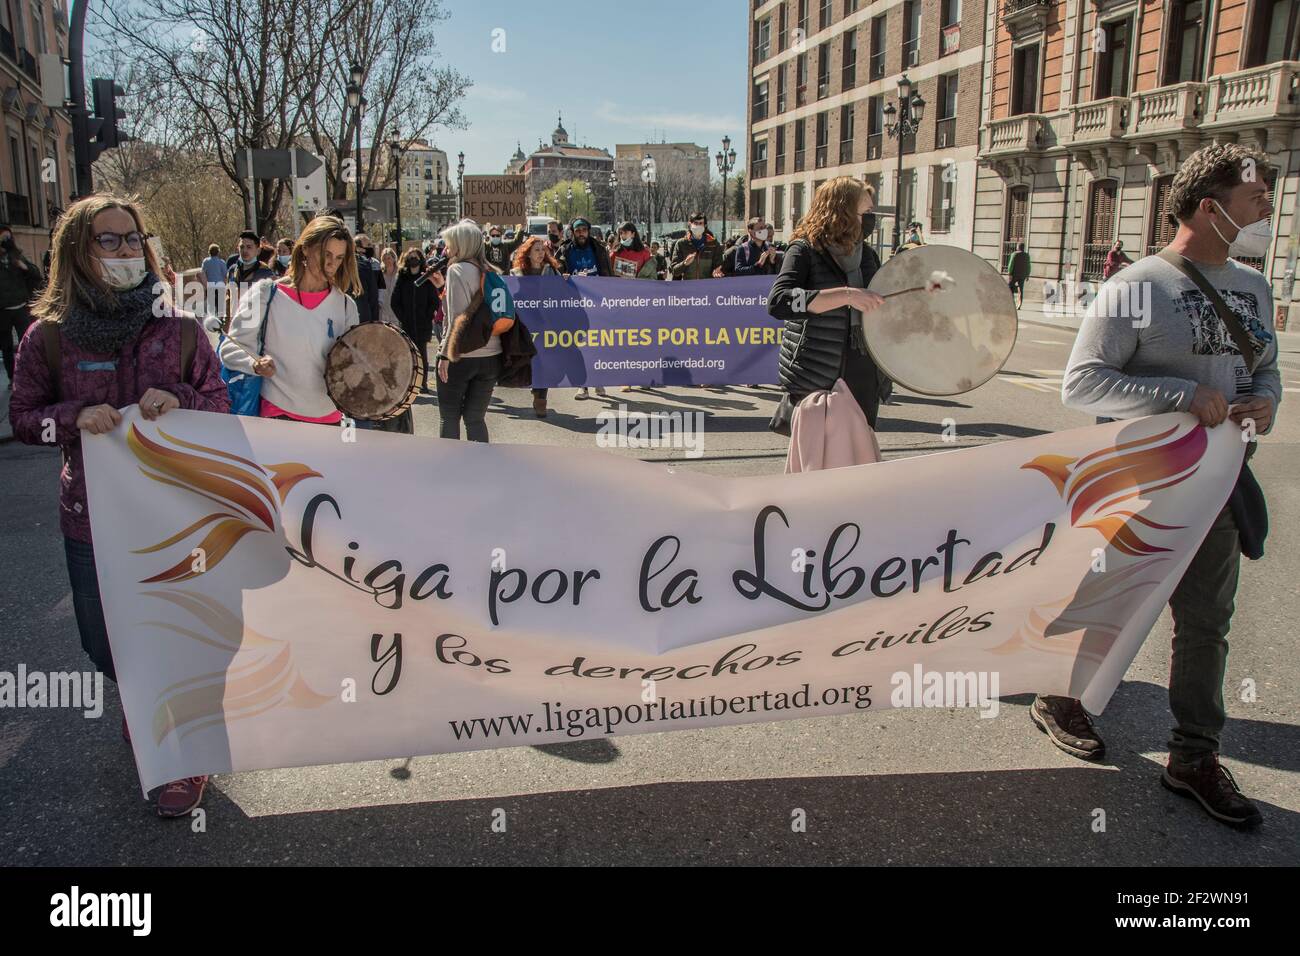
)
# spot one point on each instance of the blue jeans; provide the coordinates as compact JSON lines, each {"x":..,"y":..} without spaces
{"x":466,"y":395}
{"x":87,"y":606}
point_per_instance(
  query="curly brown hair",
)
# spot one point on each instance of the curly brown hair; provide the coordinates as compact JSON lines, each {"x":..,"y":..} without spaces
{"x":1209,"y":173}
{"x":833,"y":219}
{"x":520,"y":259}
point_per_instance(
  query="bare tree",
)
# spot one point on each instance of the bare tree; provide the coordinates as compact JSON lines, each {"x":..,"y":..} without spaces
{"x":393,"y":42}
{"x":242,"y":75}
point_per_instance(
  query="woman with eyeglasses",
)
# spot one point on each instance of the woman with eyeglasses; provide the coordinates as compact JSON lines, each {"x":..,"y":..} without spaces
{"x":304,"y":313}
{"x":98,"y":346}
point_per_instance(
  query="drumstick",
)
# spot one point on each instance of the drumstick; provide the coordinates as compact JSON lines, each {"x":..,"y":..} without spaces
{"x":937,"y":280}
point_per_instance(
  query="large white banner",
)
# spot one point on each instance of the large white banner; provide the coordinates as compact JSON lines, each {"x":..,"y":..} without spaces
{"x":277,"y":595}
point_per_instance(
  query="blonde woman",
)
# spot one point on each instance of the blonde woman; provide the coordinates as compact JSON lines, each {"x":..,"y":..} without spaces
{"x":96,"y":326}
{"x":390,"y":271}
{"x":821,"y":295}
{"x":465,"y":385}
{"x":304,"y":313}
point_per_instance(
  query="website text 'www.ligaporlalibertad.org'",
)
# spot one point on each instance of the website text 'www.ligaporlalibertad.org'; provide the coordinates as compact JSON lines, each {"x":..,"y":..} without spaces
{"x":578,"y":721}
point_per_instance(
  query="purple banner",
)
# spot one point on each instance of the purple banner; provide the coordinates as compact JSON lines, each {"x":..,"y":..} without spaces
{"x":593,"y":331}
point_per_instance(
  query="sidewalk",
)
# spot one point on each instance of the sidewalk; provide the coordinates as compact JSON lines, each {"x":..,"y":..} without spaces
{"x":1033,"y":312}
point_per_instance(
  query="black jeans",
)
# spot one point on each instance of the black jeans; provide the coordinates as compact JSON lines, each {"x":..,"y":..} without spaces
{"x":12,"y":321}
{"x":860,"y":375}
{"x":1202,"y":606}
{"x":87,"y":606}
{"x":466,"y":395}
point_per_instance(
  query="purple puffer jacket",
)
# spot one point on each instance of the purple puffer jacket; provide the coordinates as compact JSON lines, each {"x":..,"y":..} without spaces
{"x":152,"y":360}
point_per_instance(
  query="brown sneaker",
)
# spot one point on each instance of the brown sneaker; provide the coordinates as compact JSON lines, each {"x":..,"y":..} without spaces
{"x":1212,"y":784}
{"x":1068,"y":726}
{"x":539,"y":407}
{"x":181,"y":796}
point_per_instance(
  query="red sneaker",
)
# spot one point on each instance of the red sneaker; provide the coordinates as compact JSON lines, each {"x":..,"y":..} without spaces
{"x":181,"y":796}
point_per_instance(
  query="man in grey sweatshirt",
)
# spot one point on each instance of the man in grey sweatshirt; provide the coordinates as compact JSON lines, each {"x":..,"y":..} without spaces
{"x":1152,"y":342}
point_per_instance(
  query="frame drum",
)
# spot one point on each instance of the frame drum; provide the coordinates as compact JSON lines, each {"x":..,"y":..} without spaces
{"x":947,"y":341}
{"x":373,"y":372}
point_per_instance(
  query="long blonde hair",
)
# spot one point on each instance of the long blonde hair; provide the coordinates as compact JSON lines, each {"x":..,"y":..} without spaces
{"x":833,"y":219}
{"x":465,"y":244}
{"x":74,"y":271}
{"x":312,"y":242}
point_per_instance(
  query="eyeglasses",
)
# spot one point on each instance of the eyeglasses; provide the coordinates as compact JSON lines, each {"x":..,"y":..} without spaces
{"x":112,"y":241}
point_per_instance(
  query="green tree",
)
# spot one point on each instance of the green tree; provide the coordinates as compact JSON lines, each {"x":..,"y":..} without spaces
{"x":555,"y":201}
{"x":738,"y":197}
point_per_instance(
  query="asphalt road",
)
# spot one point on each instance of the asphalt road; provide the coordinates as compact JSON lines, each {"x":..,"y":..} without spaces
{"x":901,"y":787}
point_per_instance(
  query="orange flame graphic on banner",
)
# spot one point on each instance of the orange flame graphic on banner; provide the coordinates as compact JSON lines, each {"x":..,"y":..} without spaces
{"x":248,"y":494}
{"x":1096,"y":485}
{"x":264,"y":677}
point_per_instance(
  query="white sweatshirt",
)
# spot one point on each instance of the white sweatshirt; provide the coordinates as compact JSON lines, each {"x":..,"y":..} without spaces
{"x":297,"y":338}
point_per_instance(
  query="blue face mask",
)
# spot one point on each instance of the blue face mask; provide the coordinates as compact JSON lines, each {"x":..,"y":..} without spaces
{"x":247,"y":262}
{"x":284,"y":260}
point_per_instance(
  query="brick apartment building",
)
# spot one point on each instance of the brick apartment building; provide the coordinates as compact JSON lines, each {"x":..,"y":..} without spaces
{"x":1089,"y":107}
{"x":37,"y":175}
{"x":822,"y":72}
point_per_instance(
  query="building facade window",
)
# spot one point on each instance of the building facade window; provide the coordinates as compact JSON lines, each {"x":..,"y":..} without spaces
{"x":780,"y":151}
{"x":762,"y":40}
{"x":1111,"y":60}
{"x":911,"y":33}
{"x":942,"y":197}
{"x":849,"y":70}
{"x":782,"y":30}
{"x":780,"y":89}
{"x":1101,"y":227}
{"x":823,"y":140}
{"x":757,"y":202}
{"x":758,"y":159}
{"x":877,"y":69}
{"x":824,"y":15}
{"x":760,"y":100}
{"x":1024,"y":80}
{"x":1015,"y":223}
{"x":796,"y":204}
{"x":801,"y":80}
{"x":1274,"y":32}
{"x":846,"y":134}
{"x":875,"y":127}
{"x":1184,"y":42}
{"x":778,"y":207}
{"x":1162,"y":225}
{"x":823,"y":70}
{"x":949,"y":27}
{"x":800,"y":134}
{"x":945,"y":121}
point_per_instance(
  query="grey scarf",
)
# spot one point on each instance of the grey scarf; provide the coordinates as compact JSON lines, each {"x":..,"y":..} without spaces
{"x":850,"y":260}
{"x":105,"y":323}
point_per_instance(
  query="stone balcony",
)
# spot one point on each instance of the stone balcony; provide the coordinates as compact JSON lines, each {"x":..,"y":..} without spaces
{"x":1014,"y":135}
{"x":1024,"y":17}
{"x":1099,"y":121}
{"x":1169,"y":110}
{"x":1262,"y":103}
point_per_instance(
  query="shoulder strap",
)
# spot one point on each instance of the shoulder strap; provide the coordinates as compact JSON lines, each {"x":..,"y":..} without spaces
{"x":187,"y":347}
{"x":53,"y":356}
{"x":266,"y":314}
{"x":1226,"y":315}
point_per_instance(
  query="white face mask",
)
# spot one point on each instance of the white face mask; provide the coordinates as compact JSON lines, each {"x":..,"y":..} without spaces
{"x":122,"y":274}
{"x":1251,"y":241}
{"x":697,"y":231}
{"x":760,"y":235}
{"x":496,"y":240}
{"x":626,"y":242}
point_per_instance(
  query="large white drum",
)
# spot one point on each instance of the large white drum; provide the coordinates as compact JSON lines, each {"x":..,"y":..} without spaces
{"x":947,"y":340}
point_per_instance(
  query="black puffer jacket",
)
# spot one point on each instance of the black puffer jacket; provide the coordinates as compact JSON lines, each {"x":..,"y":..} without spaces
{"x":812,"y":345}
{"x":414,"y":306}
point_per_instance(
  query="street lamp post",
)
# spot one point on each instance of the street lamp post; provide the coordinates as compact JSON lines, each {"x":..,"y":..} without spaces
{"x":726,"y":161}
{"x":568,"y":206}
{"x":613,"y":198}
{"x":395,"y":150}
{"x":356,"y":76}
{"x":902,"y":121}
{"x":460,"y":185}
{"x":648,"y":174}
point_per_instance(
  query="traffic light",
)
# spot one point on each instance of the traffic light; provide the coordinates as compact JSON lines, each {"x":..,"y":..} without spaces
{"x":104,"y":126}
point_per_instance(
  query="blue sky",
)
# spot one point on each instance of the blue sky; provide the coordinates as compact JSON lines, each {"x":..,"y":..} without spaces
{"x":680,"y":74}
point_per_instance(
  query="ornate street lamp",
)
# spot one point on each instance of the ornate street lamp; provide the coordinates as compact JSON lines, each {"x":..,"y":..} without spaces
{"x":726,"y":161}
{"x":460,"y":185}
{"x":900,"y":122}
